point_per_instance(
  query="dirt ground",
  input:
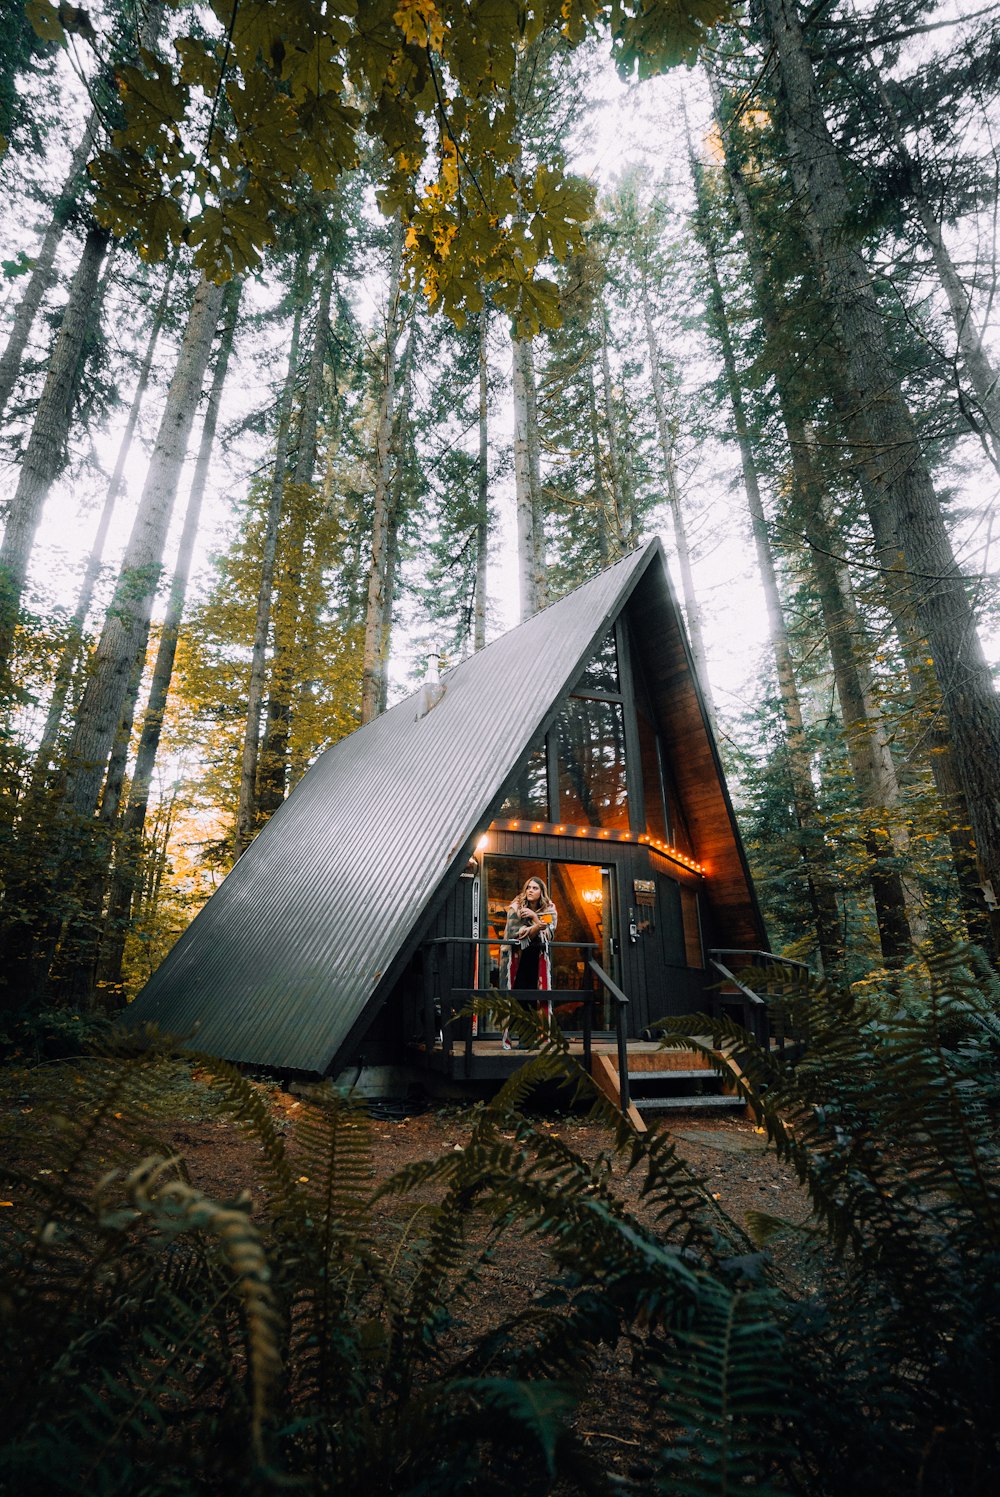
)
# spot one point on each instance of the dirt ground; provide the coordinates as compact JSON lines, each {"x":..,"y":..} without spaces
{"x":728,"y":1154}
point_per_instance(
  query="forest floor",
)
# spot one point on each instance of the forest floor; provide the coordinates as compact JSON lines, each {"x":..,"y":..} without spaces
{"x":222,"y":1158}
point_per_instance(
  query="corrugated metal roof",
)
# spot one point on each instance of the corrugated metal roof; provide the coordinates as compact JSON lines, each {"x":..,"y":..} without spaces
{"x":285,"y":958}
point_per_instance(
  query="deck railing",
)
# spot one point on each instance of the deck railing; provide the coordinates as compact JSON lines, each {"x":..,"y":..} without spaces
{"x":621,"y":1004}
{"x":784,"y":975}
{"x":458,"y":999}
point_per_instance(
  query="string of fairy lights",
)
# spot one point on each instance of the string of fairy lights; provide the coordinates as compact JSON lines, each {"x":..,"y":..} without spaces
{"x":598,"y":834}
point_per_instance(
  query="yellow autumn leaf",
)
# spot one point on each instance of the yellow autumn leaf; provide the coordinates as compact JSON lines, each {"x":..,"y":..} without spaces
{"x":420,"y":23}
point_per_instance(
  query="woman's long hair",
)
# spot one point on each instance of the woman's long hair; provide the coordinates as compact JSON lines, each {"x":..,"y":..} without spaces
{"x":522,"y":901}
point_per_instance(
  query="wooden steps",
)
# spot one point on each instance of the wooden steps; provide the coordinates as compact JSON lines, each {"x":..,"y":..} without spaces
{"x":664,"y":1081}
{"x":721,"y":1100}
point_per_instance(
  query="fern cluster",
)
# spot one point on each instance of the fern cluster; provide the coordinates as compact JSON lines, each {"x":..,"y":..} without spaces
{"x":157,"y":1341}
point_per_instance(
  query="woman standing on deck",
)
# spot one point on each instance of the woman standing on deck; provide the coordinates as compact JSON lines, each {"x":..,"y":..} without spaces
{"x":531,"y":925}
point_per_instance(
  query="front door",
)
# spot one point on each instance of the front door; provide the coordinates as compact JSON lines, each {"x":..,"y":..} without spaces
{"x":680,"y":987}
{"x":583,"y":895}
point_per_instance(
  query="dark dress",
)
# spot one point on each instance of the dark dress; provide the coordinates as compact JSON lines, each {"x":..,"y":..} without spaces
{"x":528,"y":959}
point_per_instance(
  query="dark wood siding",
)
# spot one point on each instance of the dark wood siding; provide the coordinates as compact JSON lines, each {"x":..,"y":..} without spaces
{"x":696,"y":784}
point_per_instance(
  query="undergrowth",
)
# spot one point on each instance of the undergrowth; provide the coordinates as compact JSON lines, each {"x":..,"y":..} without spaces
{"x":159,"y":1342}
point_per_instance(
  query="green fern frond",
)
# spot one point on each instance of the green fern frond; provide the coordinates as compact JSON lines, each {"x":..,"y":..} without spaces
{"x":727,"y":1391}
{"x":174,"y":1207}
{"x":244,"y":1104}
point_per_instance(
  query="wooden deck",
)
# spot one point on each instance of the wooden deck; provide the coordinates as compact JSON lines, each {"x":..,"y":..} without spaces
{"x":660,"y":1081}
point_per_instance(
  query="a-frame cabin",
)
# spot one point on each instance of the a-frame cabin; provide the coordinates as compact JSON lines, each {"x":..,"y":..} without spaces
{"x":576,"y":747}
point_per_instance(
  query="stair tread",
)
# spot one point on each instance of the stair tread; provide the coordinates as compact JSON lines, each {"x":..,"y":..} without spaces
{"x":702,"y":1073}
{"x":665,"y":1104}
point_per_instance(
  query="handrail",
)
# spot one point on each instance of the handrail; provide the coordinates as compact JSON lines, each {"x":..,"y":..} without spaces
{"x":483,"y":944}
{"x":500,"y":941}
{"x":556,"y":996}
{"x":731,"y":977}
{"x":622,"y":1003}
{"x":768,"y":956}
{"x":608,"y":982}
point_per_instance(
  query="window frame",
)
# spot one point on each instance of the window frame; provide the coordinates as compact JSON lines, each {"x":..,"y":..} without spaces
{"x":626,"y":699}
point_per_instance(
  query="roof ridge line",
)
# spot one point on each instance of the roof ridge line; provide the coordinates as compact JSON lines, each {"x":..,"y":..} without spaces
{"x":602,"y":572}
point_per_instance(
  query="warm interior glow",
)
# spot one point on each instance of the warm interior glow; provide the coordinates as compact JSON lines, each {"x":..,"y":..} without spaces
{"x":483,"y":843}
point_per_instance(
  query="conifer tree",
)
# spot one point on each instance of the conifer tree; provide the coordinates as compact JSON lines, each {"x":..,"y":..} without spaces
{"x":300,"y":501}
{"x":813,"y":851}
{"x":908,"y":521}
{"x":127,"y":853}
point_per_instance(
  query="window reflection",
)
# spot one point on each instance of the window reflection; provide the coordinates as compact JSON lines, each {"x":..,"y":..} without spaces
{"x":601,"y":673}
{"x":592,"y":788}
{"x":529,"y":794}
{"x":652,"y":781}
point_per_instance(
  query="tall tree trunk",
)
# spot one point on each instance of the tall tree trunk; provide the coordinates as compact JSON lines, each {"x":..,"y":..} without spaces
{"x":246,"y":810}
{"x":114,"y":779}
{"x":272,"y":772}
{"x":541,"y":585}
{"x":933,"y":739}
{"x":71,"y":978}
{"x":126,"y":627}
{"x":903,"y":482}
{"x":402,"y":443}
{"x":821,"y":894}
{"x":128,"y":855}
{"x":382,"y":498}
{"x":691,"y":605}
{"x":526,"y":548}
{"x":391,"y":571}
{"x":482,"y":491}
{"x":527,"y":482}
{"x":982,"y":375}
{"x":45,"y":455}
{"x":898,"y":911}
{"x":78,"y":843}
{"x":70,"y":652}
{"x":43,"y":266}
{"x":600,"y":500}
{"x":624,"y":518}
{"x":897,"y":908}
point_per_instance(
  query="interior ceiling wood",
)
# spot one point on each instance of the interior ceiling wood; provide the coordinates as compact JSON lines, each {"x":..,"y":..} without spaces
{"x":291,"y":957}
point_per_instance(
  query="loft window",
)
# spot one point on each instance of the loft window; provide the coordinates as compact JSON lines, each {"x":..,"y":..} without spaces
{"x":652,"y":779}
{"x":692,"y":929}
{"x":529,"y":794}
{"x":591,"y":756}
{"x":601,"y":673}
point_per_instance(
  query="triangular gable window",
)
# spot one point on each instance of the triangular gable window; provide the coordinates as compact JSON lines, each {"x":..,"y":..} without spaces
{"x":601,"y":672}
{"x":529,"y":795}
{"x":593,"y":788}
{"x":601,"y":765}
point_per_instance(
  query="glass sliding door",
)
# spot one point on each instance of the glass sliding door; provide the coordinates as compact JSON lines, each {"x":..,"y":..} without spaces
{"x":583,"y":894}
